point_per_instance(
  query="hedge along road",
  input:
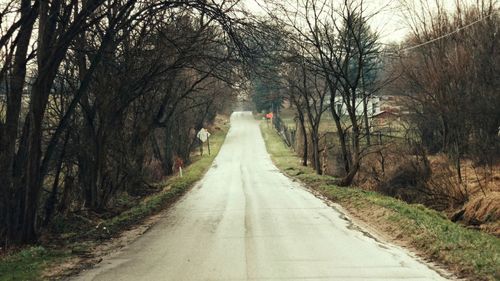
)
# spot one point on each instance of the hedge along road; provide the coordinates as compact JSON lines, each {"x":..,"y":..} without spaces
{"x":247,"y":221}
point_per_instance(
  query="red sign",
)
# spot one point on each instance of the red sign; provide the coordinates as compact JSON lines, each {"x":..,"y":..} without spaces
{"x":269,"y":115}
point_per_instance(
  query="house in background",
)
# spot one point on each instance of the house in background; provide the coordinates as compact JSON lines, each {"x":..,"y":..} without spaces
{"x":383,"y":110}
{"x":341,"y":109}
{"x":390,"y":110}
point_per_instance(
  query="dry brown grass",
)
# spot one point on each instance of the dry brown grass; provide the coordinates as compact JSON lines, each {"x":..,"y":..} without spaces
{"x":483,"y":211}
{"x":474,"y":200}
{"x":396,"y":170}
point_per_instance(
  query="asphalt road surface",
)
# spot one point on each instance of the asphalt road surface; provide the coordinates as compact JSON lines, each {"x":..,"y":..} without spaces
{"x":247,"y":221}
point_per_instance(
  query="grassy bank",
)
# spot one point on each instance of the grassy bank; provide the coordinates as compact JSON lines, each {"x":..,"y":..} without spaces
{"x":467,"y":252}
{"x":30,"y":263}
{"x":174,"y":188}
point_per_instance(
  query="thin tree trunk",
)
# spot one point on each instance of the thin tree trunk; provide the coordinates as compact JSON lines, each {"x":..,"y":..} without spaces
{"x":9,"y":207}
{"x":52,"y":200}
{"x":303,"y":130}
{"x":316,"y":156}
{"x":356,"y":158}
{"x":347,"y":180}
{"x":366,"y":120}
{"x":341,"y":136}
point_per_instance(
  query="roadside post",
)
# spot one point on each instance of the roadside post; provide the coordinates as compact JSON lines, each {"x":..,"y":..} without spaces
{"x":178,"y":163}
{"x":269,"y":116}
{"x":204,"y":135}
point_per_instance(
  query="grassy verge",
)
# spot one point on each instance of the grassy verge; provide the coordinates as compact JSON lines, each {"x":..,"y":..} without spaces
{"x":174,"y":188}
{"x":469,"y":253}
{"x":30,"y":263}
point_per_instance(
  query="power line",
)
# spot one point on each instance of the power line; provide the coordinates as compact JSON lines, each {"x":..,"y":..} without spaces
{"x":446,"y":35}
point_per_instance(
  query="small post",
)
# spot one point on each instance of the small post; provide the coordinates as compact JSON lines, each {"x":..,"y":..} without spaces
{"x":178,"y":163}
{"x":208,"y":144}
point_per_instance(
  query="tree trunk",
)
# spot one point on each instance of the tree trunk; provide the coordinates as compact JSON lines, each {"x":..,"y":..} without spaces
{"x":303,"y":130}
{"x":316,"y":156}
{"x":52,"y":200}
{"x":341,"y":136}
{"x":366,"y":120}
{"x":9,"y":200}
{"x":347,"y":180}
{"x":356,"y":157}
{"x":167,"y":163}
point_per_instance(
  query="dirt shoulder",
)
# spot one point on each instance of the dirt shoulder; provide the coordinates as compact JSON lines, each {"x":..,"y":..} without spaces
{"x":468,"y":253}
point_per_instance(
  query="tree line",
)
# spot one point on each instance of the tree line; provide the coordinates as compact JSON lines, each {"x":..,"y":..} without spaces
{"x":452,"y":84}
{"x":99,"y":96}
{"x":332,"y":56}
{"x":444,"y":75}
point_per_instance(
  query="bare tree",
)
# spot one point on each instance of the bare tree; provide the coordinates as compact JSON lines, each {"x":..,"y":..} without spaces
{"x":337,"y":40}
{"x":92,"y":65}
{"x":449,"y":72}
{"x":308,"y":92}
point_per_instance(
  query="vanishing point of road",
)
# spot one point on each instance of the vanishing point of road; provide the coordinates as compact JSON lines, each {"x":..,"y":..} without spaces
{"x":247,"y":221}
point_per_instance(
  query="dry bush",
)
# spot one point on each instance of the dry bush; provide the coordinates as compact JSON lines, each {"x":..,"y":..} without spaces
{"x":483,"y":209}
{"x":406,"y":178}
{"x":448,"y":192}
{"x":407,"y":173}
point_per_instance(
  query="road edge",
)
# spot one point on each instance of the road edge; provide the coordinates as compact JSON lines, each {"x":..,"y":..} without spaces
{"x":393,"y":220}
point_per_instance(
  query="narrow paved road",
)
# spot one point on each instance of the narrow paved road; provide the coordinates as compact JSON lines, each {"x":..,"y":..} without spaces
{"x":247,"y":221}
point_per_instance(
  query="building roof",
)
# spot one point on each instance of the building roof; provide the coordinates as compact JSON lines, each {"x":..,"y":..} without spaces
{"x":384,"y":113}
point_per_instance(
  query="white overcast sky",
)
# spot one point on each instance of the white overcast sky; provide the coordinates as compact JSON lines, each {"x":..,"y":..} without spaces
{"x":388,"y":22}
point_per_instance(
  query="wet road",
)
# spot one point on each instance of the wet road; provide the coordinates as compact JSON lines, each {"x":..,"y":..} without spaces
{"x":247,"y":221}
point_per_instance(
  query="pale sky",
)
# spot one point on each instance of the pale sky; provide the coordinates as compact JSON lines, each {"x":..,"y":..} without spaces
{"x":388,"y":22}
